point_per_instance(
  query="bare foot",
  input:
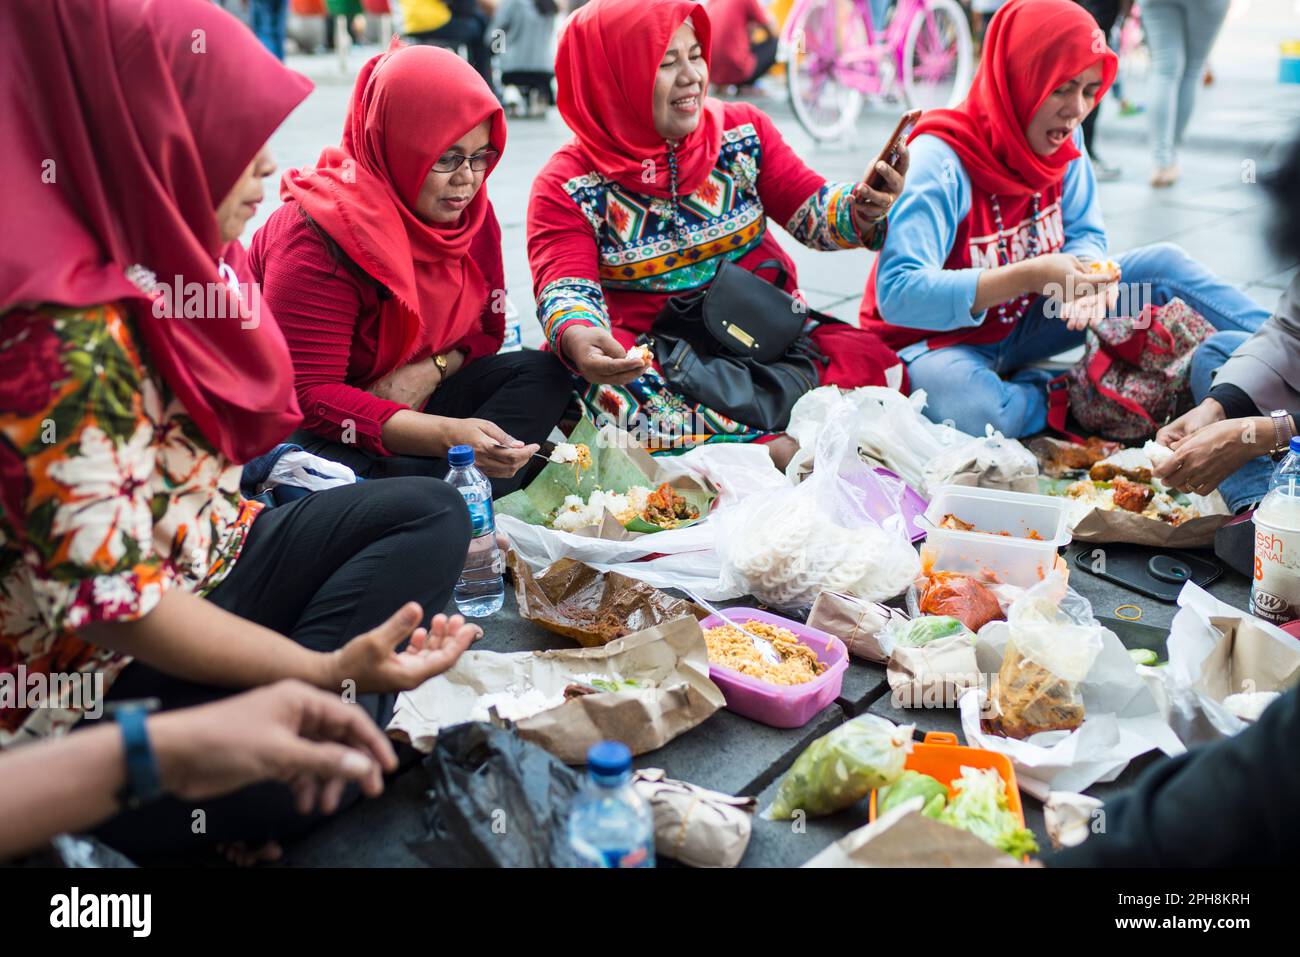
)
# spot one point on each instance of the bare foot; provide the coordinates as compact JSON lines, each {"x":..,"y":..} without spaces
{"x":782,"y":449}
{"x":239,"y":854}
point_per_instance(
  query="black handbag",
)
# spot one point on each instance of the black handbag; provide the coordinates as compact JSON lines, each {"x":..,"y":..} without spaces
{"x":740,"y":347}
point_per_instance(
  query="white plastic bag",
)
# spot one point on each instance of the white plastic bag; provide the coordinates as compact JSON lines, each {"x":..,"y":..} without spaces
{"x":787,"y":545}
{"x":888,"y":427}
{"x":311,"y":472}
{"x":993,"y":461}
{"x":1121,"y":715}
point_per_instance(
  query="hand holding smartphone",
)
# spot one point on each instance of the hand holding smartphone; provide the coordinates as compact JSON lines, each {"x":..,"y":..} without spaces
{"x":892,"y":151}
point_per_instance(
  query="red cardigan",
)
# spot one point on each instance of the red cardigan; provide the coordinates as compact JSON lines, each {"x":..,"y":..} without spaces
{"x":330,"y":313}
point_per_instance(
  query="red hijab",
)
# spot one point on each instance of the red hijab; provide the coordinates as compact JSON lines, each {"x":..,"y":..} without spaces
{"x":408,"y":107}
{"x":1030,"y":49}
{"x":135,"y":118}
{"x":605,"y":70}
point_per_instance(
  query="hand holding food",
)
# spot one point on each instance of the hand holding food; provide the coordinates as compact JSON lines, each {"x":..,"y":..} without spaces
{"x":1206,"y":457}
{"x":599,"y":358}
{"x":497,"y":454}
{"x":1207,"y":413}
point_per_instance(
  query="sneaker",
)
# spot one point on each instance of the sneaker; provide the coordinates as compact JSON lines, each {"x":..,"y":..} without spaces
{"x":1104,"y":172}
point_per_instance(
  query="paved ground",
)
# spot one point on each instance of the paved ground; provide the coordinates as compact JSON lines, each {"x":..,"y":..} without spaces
{"x":1218,"y":213}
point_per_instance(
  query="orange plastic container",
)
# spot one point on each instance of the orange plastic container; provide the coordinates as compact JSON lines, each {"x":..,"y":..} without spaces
{"x":940,"y":756}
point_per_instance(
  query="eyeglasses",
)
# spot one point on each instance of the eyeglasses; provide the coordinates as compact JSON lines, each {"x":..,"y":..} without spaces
{"x":450,"y":162}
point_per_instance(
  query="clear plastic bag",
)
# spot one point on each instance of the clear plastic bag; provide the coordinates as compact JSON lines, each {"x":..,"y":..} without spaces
{"x":841,"y":530}
{"x":1053,"y":642}
{"x":843,"y":767}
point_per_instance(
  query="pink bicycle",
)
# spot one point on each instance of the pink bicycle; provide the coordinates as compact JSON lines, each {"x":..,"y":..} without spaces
{"x":835,"y":58}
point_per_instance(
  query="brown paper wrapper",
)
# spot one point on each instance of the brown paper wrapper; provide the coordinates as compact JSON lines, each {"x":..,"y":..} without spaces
{"x":1247,"y":659}
{"x":693,"y":825}
{"x":907,"y":838}
{"x":934,"y":675}
{"x":854,"y":622}
{"x":671,"y":659}
{"x":1101,"y":526}
{"x":573,"y":599}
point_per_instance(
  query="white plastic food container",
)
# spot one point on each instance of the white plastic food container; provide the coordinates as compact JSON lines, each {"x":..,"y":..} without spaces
{"x":1013,"y":558}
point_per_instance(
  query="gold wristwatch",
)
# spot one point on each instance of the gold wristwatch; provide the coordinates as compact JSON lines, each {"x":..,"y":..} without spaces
{"x":1282,"y":434}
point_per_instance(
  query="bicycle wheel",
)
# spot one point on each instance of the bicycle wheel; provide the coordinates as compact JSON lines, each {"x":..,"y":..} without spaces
{"x":821,"y":32}
{"x":936,"y":56}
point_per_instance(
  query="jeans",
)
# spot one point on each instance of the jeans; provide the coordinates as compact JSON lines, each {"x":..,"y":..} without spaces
{"x":1180,"y":34}
{"x":267,"y":18}
{"x":1246,"y":486}
{"x":524,"y":393}
{"x":321,"y":571}
{"x":971,"y":386}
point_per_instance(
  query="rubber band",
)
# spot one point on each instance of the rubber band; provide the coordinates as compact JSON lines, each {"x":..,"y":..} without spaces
{"x":1121,"y":617}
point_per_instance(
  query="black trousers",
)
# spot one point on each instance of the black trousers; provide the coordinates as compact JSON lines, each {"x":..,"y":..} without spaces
{"x":532,"y":80}
{"x":1105,"y":12}
{"x":321,"y":570}
{"x":525,"y":393}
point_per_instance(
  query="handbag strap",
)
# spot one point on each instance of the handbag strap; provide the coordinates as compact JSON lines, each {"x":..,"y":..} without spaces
{"x":1098,"y":366}
{"x":1058,"y":406}
{"x":781,"y":274}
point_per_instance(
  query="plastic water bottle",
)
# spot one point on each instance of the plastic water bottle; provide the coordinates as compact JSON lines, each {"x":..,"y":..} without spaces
{"x":1275,"y":584}
{"x":609,"y":824}
{"x":480,"y":589}
{"x":1287,"y":472}
{"x":514,"y":341}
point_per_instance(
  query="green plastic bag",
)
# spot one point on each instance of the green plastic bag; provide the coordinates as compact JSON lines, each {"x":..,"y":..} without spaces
{"x":843,"y":767}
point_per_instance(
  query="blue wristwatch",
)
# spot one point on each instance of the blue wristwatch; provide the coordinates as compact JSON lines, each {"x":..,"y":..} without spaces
{"x":143,"y":783}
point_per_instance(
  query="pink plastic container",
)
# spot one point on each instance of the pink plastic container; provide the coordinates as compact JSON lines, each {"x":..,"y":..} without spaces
{"x":781,"y":706}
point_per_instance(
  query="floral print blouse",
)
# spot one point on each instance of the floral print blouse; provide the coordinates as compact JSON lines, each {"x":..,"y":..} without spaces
{"x":109,"y":496}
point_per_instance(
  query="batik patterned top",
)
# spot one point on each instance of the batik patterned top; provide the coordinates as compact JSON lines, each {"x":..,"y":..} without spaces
{"x":604,"y":256}
{"x":109,"y":496}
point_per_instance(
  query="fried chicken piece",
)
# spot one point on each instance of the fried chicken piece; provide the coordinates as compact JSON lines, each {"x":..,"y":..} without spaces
{"x":1132,"y":496}
{"x":956,"y":524}
{"x":1106,"y":472}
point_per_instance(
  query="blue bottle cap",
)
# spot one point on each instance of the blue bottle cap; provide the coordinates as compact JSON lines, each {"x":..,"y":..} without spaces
{"x":460,"y":456}
{"x":609,"y":758}
{"x":1295,"y":444}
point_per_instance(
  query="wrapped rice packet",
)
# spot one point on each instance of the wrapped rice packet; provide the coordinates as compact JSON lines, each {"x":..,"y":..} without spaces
{"x":693,"y":825}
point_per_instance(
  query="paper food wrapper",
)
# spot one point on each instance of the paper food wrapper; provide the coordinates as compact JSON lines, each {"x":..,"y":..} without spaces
{"x":693,"y":825}
{"x":671,"y":660}
{"x":906,"y":838}
{"x":854,"y":621}
{"x":993,"y":461}
{"x":1101,"y":526}
{"x":1122,"y":719}
{"x":617,"y":464}
{"x":592,"y":607}
{"x":1216,"y":650}
{"x":934,"y":675}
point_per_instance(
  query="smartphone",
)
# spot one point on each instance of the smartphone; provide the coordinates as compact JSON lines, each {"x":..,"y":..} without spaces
{"x":893,"y":146}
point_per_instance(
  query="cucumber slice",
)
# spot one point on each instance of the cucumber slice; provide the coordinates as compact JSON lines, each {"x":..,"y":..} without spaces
{"x":1143,"y":656}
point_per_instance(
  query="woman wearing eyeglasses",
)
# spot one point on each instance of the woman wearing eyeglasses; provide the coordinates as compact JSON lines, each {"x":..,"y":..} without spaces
{"x":384,"y":270}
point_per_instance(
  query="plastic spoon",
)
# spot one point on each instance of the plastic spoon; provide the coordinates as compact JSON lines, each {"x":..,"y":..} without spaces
{"x":764,"y":646}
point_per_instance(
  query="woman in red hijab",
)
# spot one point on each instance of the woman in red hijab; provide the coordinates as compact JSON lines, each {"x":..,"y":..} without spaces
{"x":383,"y":268}
{"x":137,"y":369}
{"x":1000,"y":214}
{"x":660,"y":185}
